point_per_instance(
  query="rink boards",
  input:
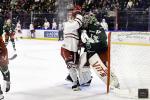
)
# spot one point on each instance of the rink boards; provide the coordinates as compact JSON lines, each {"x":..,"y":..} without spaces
{"x":40,"y":33}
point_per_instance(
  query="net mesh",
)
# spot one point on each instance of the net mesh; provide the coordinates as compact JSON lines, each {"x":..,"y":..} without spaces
{"x":130,"y":59}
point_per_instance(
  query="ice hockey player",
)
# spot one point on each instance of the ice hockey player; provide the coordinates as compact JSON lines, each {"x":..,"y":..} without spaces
{"x":95,"y":43}
{"x":84,"y":74}
{"x":70,"y":47}
{"x":9,"y":30}
{"x":4,"y":61}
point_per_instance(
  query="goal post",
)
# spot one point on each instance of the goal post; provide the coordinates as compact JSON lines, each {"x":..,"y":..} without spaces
{"x":129,"y":58}
{"x":108,"y":57}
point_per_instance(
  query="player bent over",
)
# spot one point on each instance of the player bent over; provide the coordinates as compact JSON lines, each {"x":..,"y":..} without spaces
{"x":4,"y":67}
{"x":95,"y":43}
{"x":70,"y":47}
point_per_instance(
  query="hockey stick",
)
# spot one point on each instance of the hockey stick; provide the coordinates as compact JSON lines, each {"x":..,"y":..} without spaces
{"x":13,"y":57}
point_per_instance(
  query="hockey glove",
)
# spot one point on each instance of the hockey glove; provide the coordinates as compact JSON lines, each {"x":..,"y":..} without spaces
{"x":88,"y":46}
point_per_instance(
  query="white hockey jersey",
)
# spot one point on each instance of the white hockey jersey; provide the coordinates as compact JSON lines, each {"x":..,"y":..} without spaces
{"x":18,"y":26}
{"x":71,"y":37}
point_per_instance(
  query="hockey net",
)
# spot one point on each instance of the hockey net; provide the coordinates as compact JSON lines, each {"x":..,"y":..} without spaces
{"x":129,"y":58}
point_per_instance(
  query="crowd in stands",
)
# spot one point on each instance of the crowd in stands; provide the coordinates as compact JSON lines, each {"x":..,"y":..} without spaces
{"x":29,"y":5}
{"x":112,"y":4}
{"x":23,"y":10}
{"x":131,"y":13}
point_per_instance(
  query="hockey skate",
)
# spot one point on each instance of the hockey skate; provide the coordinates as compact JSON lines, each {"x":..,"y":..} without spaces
{"x":6,"y":86}
{"x":1,"y":97}
{"x":87,"y":83}
{"x":76,"y":87}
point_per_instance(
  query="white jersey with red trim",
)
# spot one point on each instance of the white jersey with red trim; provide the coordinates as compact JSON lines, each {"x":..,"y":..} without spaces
{"x":18,"y":26}
{"x":71,"y":37}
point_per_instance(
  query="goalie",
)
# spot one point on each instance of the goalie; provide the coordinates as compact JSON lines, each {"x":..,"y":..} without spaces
{"x":95,"y":43}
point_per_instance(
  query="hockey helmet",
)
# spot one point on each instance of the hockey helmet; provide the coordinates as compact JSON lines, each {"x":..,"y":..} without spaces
{"x":77,"y":8}
{"x":8,"y":21}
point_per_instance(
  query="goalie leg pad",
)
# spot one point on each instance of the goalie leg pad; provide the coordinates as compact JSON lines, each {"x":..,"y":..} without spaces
{"x":101,"y":71}
{"x":84,"y":71}
{"x":99,"y":67}
{"x":83,"y":60}
{"x":84,"y":75}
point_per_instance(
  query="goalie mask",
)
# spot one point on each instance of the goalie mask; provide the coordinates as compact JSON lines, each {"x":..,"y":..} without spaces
{"x":8,"y":22}
{"x":92,"y":19}
{"x":89,"y":19}
{"x":86,"y":20}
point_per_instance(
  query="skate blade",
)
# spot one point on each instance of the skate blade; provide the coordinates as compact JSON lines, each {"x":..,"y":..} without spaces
{"x":85,"y":84}
{"x":76,"y":89}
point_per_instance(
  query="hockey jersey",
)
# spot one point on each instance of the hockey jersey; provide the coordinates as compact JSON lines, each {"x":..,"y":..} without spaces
{"x":71,"y":36}
{"x":9,"y":28}
{"x":96,"y":33}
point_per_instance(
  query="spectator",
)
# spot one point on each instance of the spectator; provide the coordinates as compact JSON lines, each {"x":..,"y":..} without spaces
{"x":60,"y":28}
{"x":32,"y":30}
{"x":104,"y":24}
{"x":54,"y":25}
{"x":46,"y":24}
{"x":129,"y":4}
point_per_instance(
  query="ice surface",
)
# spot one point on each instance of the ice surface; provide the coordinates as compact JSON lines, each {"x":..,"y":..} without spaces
{"x":38,"y":73}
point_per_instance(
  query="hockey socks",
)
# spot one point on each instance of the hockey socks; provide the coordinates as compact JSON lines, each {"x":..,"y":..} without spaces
{"x":6,"y":77}
{"x":13,"y":44}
